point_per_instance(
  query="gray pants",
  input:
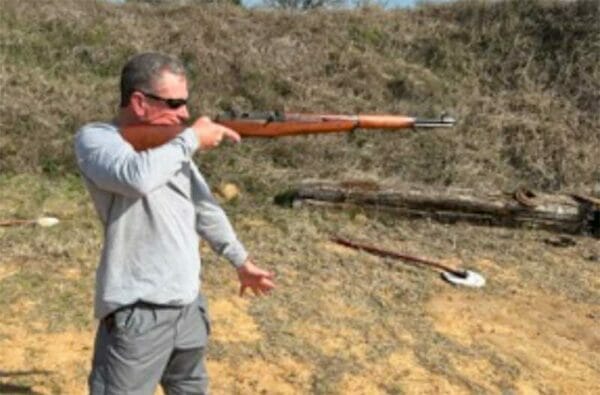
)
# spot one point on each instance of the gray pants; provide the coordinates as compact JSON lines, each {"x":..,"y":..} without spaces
{"x":142,"y":345}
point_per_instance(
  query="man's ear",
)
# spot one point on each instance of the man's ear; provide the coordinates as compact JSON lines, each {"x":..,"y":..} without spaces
{"x":137,"y":104}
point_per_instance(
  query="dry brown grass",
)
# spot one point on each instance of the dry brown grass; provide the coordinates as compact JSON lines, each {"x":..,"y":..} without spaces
{"x":340,"y":321}
{"x":521,"y":76}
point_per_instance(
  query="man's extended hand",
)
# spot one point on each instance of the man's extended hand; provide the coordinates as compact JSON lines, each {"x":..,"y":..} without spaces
{"x":210,"y":134}
{"x":255,"y":278}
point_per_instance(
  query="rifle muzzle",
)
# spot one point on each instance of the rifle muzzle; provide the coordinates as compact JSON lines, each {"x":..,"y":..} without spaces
{"x":445,"y":121}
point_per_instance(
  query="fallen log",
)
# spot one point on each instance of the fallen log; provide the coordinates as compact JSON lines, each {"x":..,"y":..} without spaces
{"x":575,"y":214}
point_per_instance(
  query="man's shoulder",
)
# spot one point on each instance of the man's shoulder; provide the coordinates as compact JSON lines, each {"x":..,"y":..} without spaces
{"x":97,"y":127}
{"x":98,"y":137}
{"x":95,"y":132}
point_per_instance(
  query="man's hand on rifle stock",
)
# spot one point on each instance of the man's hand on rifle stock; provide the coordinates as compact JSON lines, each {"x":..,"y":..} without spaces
{"x":210,"y":134}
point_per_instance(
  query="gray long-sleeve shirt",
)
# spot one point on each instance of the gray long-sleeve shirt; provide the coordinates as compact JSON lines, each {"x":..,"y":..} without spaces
{"x":154,"y":205}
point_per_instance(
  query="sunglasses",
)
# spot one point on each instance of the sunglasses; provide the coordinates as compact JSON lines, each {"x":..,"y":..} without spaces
{"x":171,"y":103}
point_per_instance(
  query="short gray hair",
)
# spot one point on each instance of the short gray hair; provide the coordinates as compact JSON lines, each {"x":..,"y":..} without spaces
{"x":142,"y":70}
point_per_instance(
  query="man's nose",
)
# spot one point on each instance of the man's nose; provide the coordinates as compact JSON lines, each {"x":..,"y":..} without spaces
{"x":183,"y":113}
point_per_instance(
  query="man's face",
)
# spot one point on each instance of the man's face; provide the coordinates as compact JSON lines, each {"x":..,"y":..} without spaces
{"x":165,"y":105}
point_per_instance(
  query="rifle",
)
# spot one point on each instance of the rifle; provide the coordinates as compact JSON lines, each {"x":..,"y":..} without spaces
{"x":276,"y":124}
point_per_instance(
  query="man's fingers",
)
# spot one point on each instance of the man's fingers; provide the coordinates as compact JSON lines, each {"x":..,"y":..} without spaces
{"x":269,"y":275}
{"x":231,"y":135}
{"x":262,"y":282}
{"x":264,"y":274}
{"x":211,"y":134}
{"x":228,"y":134}
{"x":259,"y":286}
{"x":266,"y":283}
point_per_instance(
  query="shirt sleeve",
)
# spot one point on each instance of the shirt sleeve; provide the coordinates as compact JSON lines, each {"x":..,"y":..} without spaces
{"x":111,"y":163}
{"x":212,"y":223}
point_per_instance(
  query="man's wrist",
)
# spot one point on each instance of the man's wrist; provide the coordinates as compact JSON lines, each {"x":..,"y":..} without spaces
{"x":190,"y":139}
{"x":240,"y":259}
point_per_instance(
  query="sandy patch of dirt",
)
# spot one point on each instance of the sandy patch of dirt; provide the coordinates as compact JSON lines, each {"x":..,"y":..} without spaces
{"x":20,"y":308}
{"x":7,"y":270}
{"x":231,"y":321}
{"x":551,"y":340}
{"x":332,"y":342}
{"x":517,"y":334}
{"x":255,"y":376}
{"x":51,"y":361}
{"x":72,"y":273}
{"x":62,"y":359}
{"x":399,"y":370}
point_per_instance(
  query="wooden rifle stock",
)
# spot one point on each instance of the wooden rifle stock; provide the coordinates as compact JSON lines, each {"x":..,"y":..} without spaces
{"x":275,"y":124}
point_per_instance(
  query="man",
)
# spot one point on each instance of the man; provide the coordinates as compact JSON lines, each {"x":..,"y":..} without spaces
{"x":155,"y":205}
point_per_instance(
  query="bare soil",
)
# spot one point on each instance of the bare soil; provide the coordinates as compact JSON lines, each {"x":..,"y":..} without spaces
{"x":514,"y":333}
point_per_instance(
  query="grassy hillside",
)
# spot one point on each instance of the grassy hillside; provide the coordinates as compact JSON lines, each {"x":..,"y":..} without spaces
{"x":522,"y":77}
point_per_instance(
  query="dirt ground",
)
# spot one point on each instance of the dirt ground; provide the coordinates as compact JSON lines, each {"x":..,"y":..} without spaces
{"x":553,"y":343}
